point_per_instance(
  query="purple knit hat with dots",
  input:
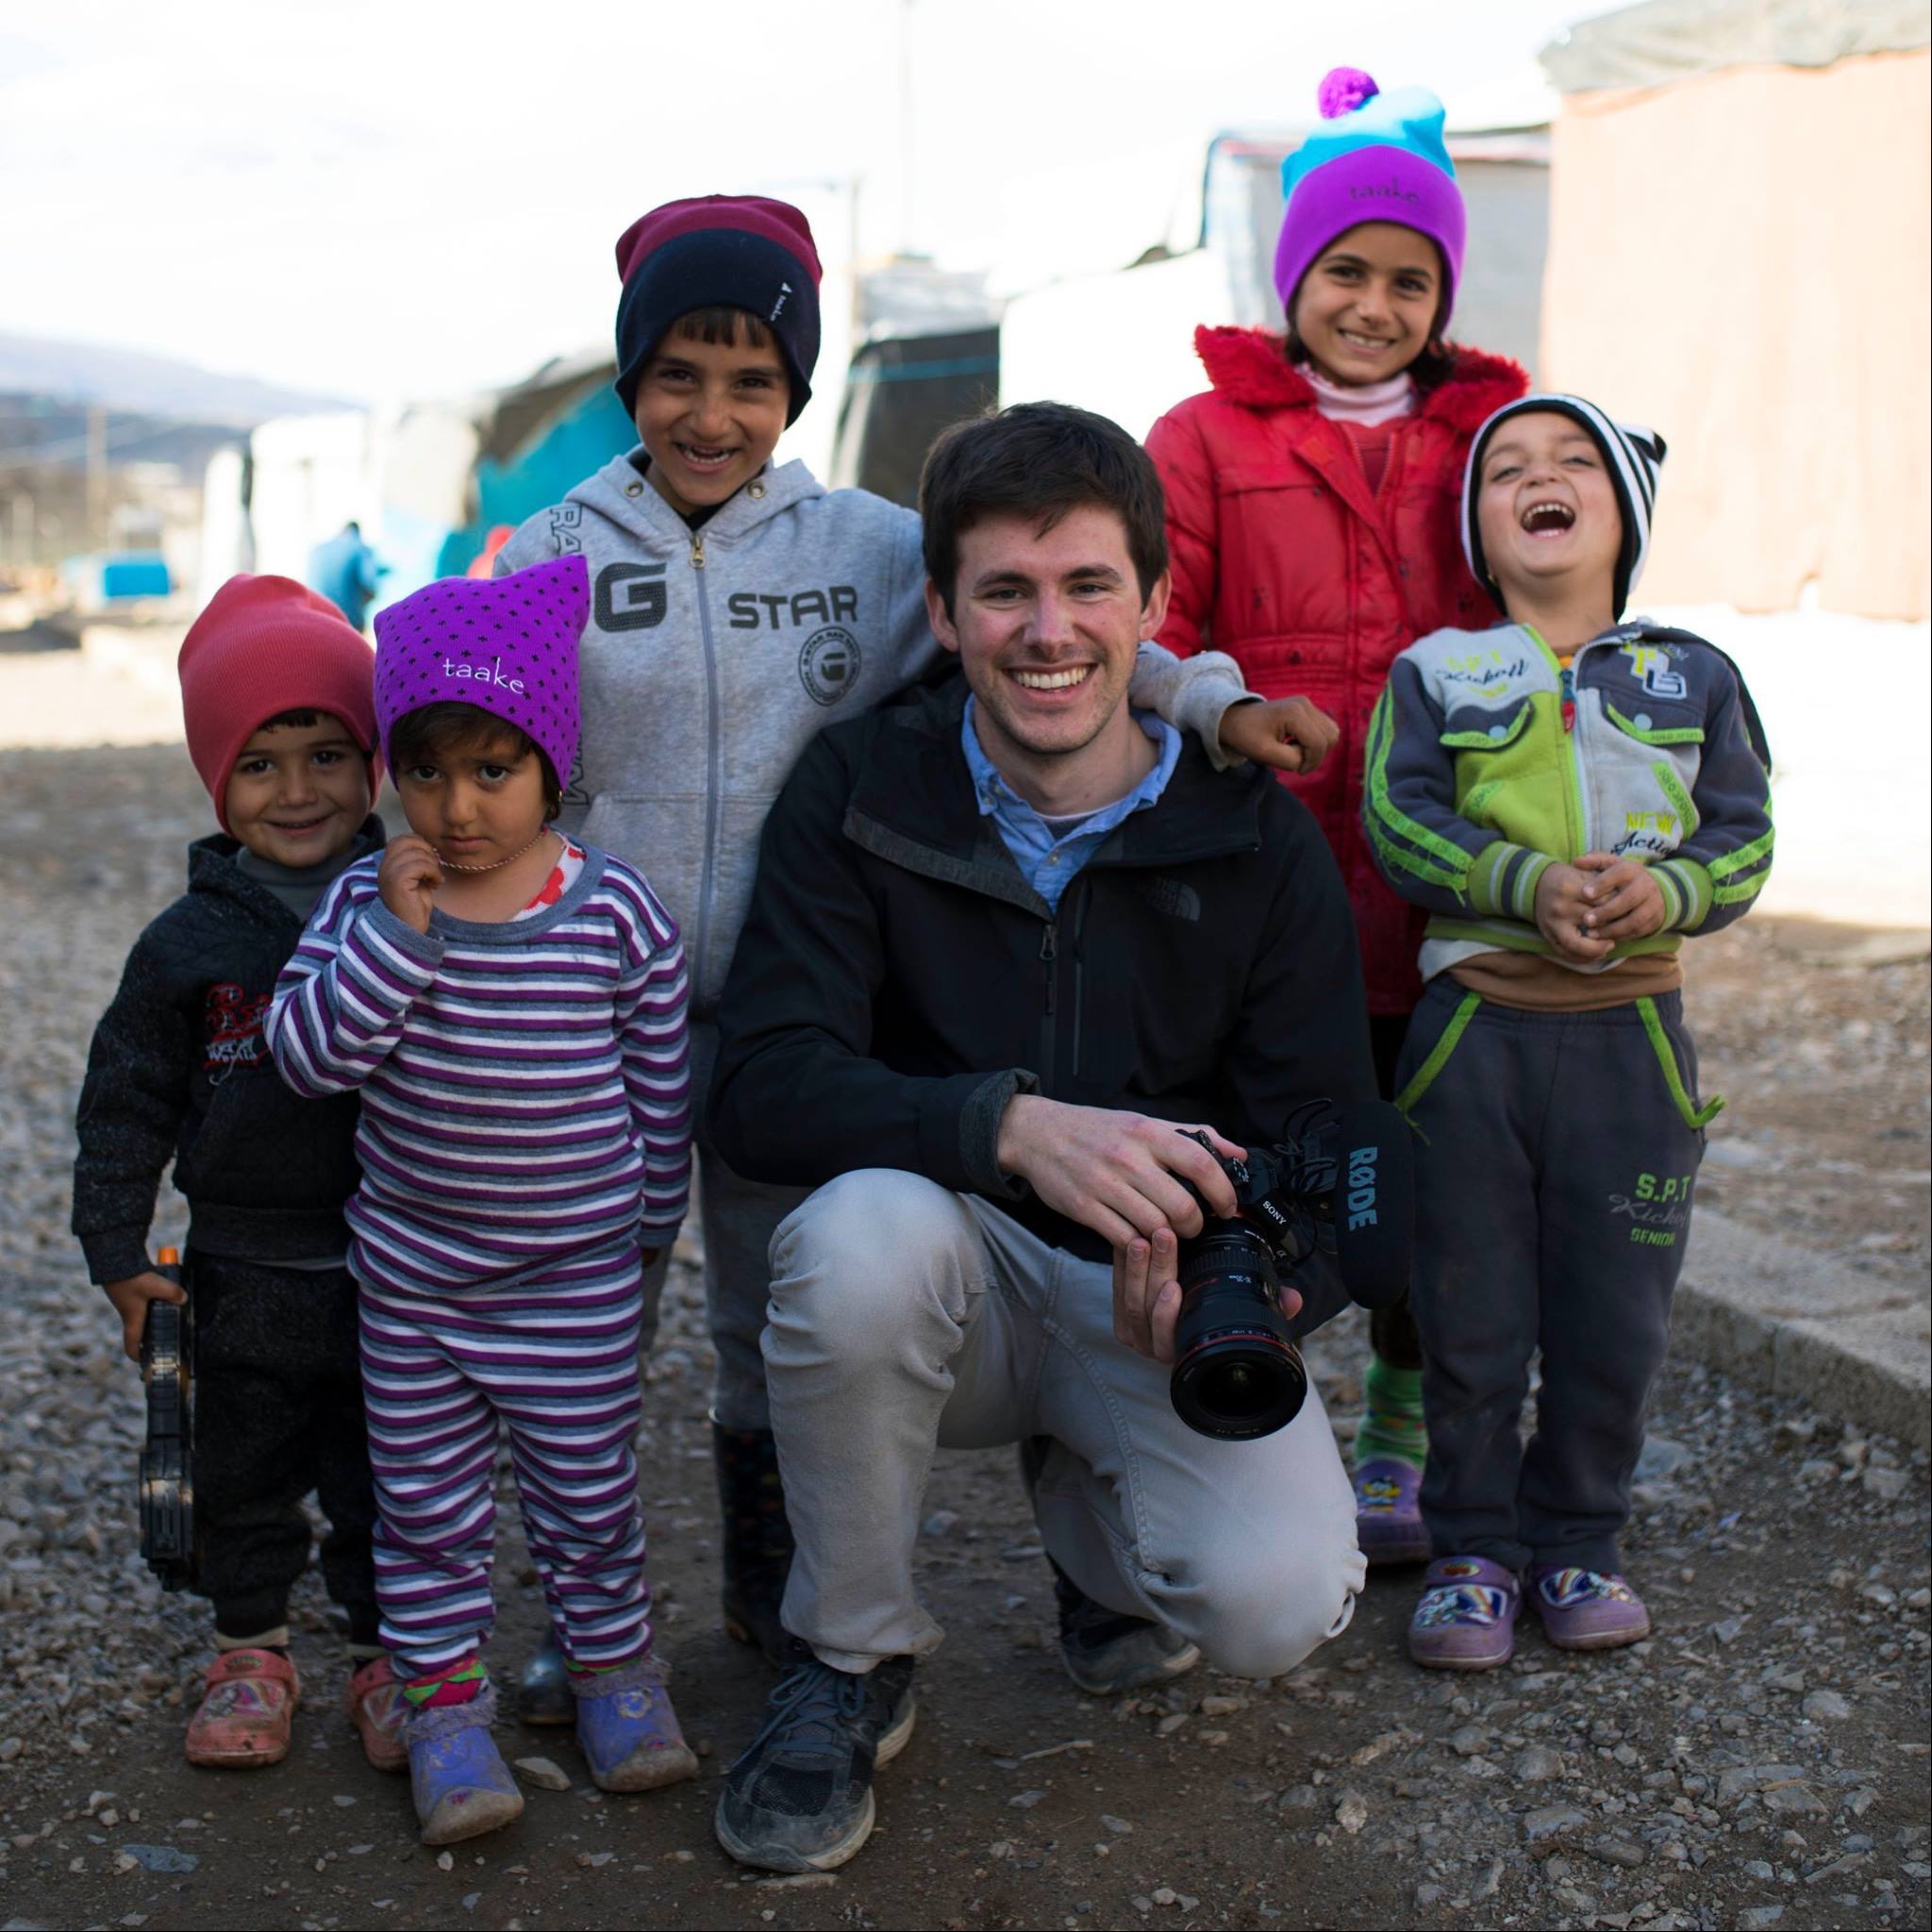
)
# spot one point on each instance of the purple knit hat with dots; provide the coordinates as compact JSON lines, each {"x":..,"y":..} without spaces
{"x":508,"y":645}
{"x":1376,"y":157}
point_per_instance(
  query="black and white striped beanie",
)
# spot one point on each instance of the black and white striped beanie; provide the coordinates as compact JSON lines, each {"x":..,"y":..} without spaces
{"x":1634,"y":456}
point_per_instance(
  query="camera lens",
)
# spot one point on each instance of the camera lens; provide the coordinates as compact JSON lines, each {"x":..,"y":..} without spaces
{"x":1237,"y":1374}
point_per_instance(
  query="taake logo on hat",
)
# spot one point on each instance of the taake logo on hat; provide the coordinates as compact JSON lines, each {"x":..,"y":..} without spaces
{"x":490,"y":673}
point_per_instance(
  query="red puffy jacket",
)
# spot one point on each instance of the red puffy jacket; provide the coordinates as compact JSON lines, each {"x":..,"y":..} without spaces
{"x":1283,"y":558}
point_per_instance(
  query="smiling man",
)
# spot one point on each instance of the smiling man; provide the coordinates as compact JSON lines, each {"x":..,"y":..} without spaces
{"x":1004,"y":939}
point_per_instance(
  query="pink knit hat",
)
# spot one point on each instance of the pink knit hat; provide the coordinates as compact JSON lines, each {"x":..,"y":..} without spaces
{"x":265,"y":646}
{"x":508,"y":645}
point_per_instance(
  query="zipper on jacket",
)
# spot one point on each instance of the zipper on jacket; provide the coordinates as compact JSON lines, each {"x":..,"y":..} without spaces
{"x":1079,"y":970}
{"x":1566,"y":687}
{"x":1049,"y":959}
{"x":714,"y":760}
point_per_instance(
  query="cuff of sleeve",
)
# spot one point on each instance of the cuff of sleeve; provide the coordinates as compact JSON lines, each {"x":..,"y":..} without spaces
{"x":1503,"y":881}
{"x":1206,"y":696}
{"x":420,"y":948}
{"x":979,"y":1133}
{"x":1688,"y":892}
{"x":116,"y":1256}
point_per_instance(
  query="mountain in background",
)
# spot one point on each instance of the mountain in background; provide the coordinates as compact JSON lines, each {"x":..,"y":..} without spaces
{"x":153,"y":385}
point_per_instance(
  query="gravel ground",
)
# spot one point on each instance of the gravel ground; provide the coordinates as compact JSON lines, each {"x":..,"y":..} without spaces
{"x":1762,"y":1761}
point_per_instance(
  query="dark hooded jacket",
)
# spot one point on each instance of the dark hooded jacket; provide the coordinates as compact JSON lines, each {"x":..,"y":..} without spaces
{"x":899,"y":980}
{"x":180,"y":1071}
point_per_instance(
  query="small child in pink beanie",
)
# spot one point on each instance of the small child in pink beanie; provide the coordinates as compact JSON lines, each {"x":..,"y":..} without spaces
{"x":278,"y":702}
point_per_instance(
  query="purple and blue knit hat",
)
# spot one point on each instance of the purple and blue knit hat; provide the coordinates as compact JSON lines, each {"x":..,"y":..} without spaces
{"x":1376,"y":157}
{"x":508,"y":645}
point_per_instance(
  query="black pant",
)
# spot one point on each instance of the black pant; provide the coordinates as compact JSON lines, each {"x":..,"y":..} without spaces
{"x":1553,"y":1203}
{"x":278,"y":1413}
{"x":1392,"y":1330}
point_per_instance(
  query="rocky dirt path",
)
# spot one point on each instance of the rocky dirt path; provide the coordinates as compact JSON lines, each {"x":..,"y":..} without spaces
{"x":1762,"y":1761}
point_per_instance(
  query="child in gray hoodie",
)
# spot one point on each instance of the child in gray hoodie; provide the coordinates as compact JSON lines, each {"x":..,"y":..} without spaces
{"x":737,"y":611}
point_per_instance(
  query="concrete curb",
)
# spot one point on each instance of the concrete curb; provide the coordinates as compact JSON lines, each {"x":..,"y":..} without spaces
{"x":1854,"y":1345}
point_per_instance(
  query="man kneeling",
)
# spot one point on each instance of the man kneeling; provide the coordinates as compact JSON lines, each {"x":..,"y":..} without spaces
{"x":1006,"y":938}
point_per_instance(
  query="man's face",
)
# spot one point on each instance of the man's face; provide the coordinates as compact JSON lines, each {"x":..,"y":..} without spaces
{"x":1547,"y":509}
{"x":298,"y":792}
{"x":1047,"y":625}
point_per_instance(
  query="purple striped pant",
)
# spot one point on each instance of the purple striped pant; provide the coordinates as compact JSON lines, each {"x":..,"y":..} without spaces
{"x":555,"y":1361}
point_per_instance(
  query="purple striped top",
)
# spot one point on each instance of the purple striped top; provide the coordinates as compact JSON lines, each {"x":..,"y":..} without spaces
{"x":526,"y":1085}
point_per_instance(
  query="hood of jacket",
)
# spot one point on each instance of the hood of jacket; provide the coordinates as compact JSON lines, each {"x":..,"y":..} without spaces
{"x":211,"y":869}
{"x":1250,"y":366}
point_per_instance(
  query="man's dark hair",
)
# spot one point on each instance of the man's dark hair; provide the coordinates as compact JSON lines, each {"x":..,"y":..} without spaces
{"x":1039,"y":461}
{"x":433,"y":731}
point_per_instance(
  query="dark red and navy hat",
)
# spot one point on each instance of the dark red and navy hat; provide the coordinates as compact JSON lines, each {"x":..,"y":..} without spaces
{"x":719,"y":251}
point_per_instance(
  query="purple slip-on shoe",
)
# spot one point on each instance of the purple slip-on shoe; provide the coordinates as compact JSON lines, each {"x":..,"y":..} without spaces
{"x":1586,"y":1609}
{"x":1388,"y":1511}
{"x":1466,"y":1620}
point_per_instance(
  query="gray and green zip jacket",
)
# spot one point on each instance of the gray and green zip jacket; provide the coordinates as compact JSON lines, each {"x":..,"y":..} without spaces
{"x":1488,"y":762}
{"x":712,"y":659}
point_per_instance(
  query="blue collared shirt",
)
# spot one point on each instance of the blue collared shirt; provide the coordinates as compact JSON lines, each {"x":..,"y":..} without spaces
{"x":1050,"y":852}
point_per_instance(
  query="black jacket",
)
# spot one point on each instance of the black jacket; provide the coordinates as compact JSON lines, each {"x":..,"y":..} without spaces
{"x":899,"y":980}
{"x":179,"y":1069}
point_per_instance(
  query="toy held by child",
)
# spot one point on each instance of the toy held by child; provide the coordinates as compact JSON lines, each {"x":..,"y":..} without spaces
{"x":1310,"y":506}
{"x":510,"y":1005}
{"x":738,"y":607}
{"x":278,"y":705}
{"x":1567,"y":796}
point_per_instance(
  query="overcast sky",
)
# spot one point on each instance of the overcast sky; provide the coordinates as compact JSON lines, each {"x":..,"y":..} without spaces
{"x":379,"y":199}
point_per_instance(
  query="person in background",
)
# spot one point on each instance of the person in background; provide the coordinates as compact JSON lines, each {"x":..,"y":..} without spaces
{"x":1312,"y":519}
{"x":1566,"y":795}
{"x":279,"y":709}
{"x":345,"y":571}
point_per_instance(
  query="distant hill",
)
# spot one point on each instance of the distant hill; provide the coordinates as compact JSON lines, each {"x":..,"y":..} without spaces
{"x":151,"y":386}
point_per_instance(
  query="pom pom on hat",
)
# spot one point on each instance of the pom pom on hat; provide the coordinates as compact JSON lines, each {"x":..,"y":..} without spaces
{"x":1344,"y":90}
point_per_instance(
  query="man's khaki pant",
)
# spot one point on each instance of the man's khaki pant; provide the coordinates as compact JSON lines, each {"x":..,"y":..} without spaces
{"x":906,"y":1318}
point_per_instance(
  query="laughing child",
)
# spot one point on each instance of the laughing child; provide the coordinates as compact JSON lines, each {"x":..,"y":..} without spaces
{"x":279,"y":709}
{"x":509,"y":1003}
{"x":1567,"y":795}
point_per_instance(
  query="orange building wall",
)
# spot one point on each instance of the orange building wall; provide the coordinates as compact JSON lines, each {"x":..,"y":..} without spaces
{"x":1743,"y":261}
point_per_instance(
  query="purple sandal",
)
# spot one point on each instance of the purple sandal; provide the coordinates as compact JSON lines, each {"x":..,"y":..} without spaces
{"x":1388,"y":1511}
{"x":1586,"y":1609}
{"x":1466,"y":1620}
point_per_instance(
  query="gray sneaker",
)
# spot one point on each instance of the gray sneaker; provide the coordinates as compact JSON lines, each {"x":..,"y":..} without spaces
{"x":1105,"y":1652}
{"x":800,"y":1797}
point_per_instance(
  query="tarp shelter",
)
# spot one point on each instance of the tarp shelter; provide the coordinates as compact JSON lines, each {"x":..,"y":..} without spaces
{"x":1741,"y":253}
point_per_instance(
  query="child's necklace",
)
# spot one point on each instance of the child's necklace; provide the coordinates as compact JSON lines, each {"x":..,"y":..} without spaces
{"x":455,"y":866}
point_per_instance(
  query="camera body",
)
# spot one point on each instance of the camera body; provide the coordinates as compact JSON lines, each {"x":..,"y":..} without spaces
{"x":1343,"y":1185}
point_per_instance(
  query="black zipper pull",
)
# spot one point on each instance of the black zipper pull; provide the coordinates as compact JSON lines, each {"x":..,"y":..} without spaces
{"x":1049,"y":955}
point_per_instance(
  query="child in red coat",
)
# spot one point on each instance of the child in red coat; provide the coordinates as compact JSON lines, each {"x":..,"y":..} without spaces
{"x":1311,"y":523}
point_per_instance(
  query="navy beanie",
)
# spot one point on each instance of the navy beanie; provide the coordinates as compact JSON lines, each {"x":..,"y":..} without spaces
{"x":719,"y":251}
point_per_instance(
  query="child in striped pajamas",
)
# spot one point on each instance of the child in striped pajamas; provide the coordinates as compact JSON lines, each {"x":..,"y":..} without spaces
{"x":511,"y":1006}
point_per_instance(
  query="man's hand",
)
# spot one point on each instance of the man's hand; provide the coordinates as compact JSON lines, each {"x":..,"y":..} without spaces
{"x":1113,"y":1172}
{"x":1147,"y":1295}
{"x":1624,"y":901}
{"x":408,"y":879}
{"x":1563,"y":905}
{"x":130,"y":1299}
{"x":1289,"y":734}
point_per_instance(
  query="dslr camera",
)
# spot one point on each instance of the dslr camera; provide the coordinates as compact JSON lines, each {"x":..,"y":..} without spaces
{"x":1340,"y":1182}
